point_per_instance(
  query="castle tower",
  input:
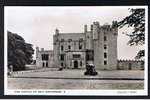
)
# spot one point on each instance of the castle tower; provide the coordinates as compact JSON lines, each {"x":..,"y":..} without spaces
{"x":56,"y":48}
{"x":89,"y":47}
{"x":89,"y":40}
{"x":95,"y":30}
{"x":96,"y":45}
{"x":105,"y":46}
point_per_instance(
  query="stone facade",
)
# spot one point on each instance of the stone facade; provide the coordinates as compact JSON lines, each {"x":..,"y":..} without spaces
{"x":74,"y":50}
{"x":130,"y":65}
{"x":44,"y":58}
{"x":97,"y":45}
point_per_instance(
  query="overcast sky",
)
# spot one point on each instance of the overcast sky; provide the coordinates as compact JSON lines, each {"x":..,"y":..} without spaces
{"x":37,"y":24}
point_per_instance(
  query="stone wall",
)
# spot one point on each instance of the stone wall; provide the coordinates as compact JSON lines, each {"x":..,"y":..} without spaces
{"x":100,"y":39}
{"x":67,"y":44}
{"x":130,"y":65}
{"x":110,"y":42}
{"x":42,"y":63}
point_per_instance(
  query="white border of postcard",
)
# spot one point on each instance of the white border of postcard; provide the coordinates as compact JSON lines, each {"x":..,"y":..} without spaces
{"x":80,"y":92}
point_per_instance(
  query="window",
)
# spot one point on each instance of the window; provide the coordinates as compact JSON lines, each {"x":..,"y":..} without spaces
{"x":80,"y":46}
{"x":105,"y":46}
{"x":80,"y":63}
{"x":105,"y":55}
{"x":46,"y":64}
{"x":43,"y":64}
{"x":62,"y":48}
{"x":105,"y":62}
{"x":62,"y":57}
{"x":69,"y":47}
{"x":76,"y":55}
{"x":105,"y":38}
{"x":45,"y":57}
{"x":130,"y":66}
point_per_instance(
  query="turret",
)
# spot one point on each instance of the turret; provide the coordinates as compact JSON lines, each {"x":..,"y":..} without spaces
{"x":89,"y":38}
{"x":114,"y":24}
{"x":115,"y":27}
{"x":42,"y":49}
{"x":95,"y":30}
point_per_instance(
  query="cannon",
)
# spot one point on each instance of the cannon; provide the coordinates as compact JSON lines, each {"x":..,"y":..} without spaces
{"x":90,"y":70}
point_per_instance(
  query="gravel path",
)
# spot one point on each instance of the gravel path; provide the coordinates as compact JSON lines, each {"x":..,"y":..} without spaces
{"x":25,"y":80}
{"x":78,"y":73}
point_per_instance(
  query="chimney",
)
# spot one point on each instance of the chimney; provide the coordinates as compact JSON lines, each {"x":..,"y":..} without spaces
{"x":85,"y":28}
{"x":42,"y":49}
{"x":56,"y":31}
{"x":37,"y":49}
{"x":91,"y":28}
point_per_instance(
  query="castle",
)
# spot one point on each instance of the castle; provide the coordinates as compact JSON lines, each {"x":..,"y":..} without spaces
{"x":96,"y":46}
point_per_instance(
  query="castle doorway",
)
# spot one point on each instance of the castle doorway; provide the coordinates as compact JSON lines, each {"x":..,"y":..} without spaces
{"x":75,"y":64}
{"x":43,"y":64}
{"x":46,"y":64}
{"x":130,"y":66}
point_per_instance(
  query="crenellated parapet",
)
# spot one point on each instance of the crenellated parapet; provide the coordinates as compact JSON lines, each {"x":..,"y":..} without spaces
{"x":129,"y":60}
{"x":130,"y":64}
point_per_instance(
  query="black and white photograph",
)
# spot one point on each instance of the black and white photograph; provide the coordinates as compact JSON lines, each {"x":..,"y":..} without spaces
{"x":76,"y":50}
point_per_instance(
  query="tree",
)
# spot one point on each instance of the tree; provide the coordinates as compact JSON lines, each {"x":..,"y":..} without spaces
{"x":19,"y":52}
{"x":136,"y":20}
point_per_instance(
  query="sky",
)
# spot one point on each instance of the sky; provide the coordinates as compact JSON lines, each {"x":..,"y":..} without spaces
{"x":37,"y":24}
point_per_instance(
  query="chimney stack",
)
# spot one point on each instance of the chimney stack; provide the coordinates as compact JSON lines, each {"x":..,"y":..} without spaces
{"x":85,"y":28}
{"x":42,"y":49}
{"x":56,"y":31}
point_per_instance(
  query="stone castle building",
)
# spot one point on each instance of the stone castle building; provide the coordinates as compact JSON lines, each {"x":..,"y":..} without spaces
{"x":44,"y":58}
{"x":97,"y":45}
